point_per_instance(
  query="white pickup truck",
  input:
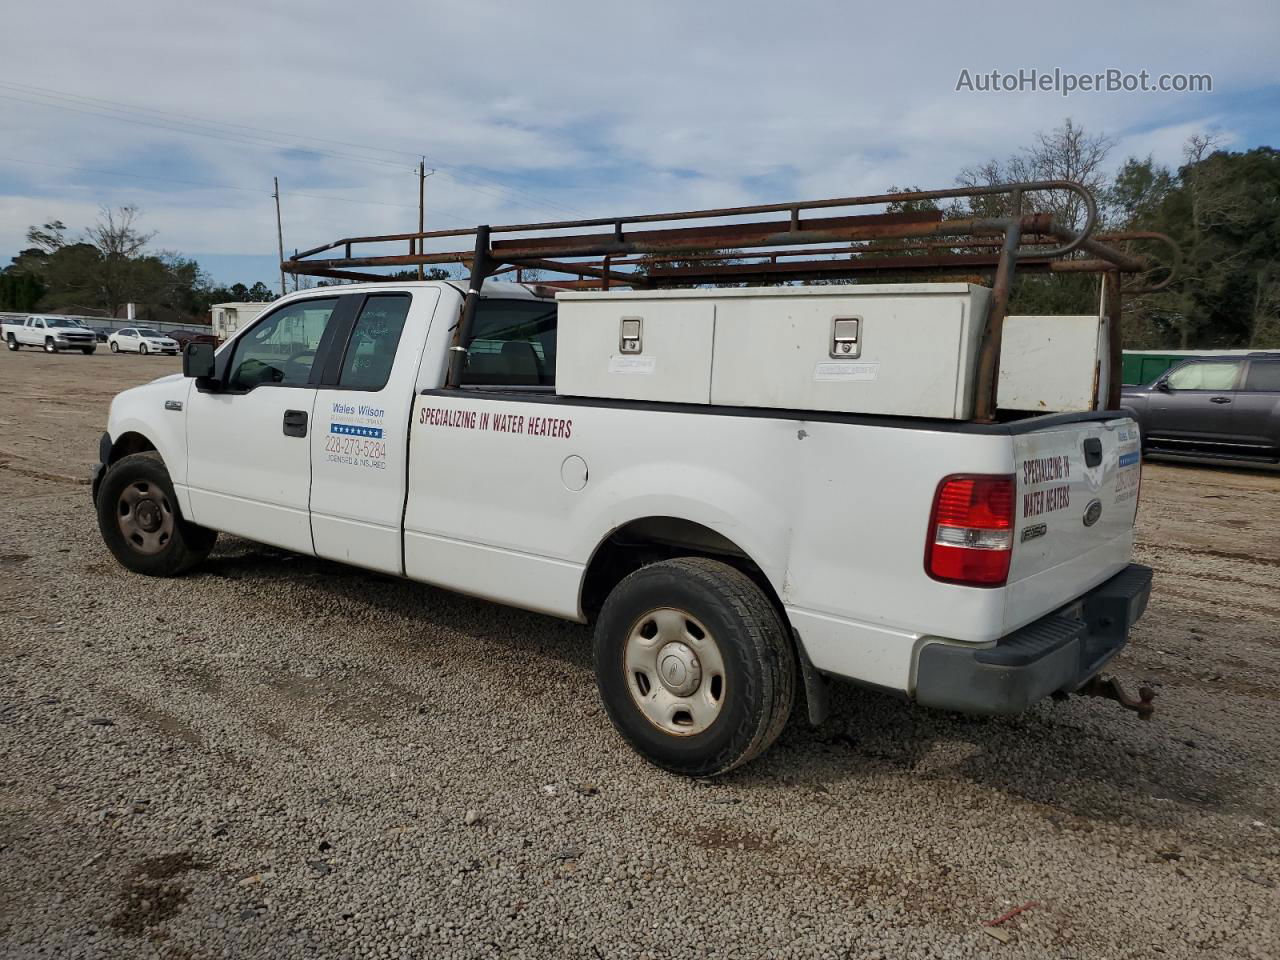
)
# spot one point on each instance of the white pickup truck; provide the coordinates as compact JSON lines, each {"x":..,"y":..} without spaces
{"x":51,"y":334}
{"x":639,"y":462}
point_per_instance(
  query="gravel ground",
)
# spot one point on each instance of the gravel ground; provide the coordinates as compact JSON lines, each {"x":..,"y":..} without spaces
{"x":283,"y":757}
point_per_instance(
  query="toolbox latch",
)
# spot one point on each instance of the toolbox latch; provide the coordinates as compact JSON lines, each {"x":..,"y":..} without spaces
{"x":845,"y":344}
{"x":629,"y":340}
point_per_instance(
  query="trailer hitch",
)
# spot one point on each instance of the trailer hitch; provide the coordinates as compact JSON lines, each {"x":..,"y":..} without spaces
{"x":1112,"y":689}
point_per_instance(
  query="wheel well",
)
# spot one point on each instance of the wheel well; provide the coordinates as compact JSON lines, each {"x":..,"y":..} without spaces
{"x":651,"y":539}
{"x":129,"y":443}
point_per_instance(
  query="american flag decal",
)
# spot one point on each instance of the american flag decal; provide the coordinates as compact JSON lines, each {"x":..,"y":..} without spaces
{"x":350,"y":430}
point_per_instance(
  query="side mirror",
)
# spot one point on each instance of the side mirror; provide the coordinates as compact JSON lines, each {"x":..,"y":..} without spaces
{"x":1162,"y":385}
{"x":197,"y":361}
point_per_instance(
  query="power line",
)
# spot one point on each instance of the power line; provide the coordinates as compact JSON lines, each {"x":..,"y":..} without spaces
{"x":175,"y":123}
{"x":215,"y":186}
{"x":187,"y":119}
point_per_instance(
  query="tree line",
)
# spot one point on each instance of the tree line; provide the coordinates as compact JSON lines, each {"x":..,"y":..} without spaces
{"x":1221,"y":207}
{"x":108,"y":266}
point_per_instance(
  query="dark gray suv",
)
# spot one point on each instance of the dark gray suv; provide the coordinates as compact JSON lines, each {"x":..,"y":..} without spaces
{"x":1220,"y":407}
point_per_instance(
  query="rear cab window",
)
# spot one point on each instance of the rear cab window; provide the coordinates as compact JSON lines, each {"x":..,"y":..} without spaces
{"x":513,"y":343}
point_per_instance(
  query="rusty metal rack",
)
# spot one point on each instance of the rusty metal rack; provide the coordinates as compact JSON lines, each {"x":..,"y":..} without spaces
{"x":745,"y":245}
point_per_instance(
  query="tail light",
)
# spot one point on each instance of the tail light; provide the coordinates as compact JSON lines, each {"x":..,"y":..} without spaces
{"x":971,"y":530}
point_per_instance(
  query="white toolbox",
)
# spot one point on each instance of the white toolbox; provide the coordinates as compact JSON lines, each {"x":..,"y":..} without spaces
{"x":899,"y":349}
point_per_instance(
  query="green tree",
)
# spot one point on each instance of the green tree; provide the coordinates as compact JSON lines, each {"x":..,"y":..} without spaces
{"x":20,"y":291}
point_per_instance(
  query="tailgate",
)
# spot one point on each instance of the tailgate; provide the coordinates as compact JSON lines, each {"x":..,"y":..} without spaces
{"x":1077,"y":496}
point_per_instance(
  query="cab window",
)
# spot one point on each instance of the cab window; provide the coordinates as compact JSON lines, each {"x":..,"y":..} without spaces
{"x":513,"y":343}
{"x":280,"y":350}
{"x":371,"y":350}
{"x":1205,"y":375}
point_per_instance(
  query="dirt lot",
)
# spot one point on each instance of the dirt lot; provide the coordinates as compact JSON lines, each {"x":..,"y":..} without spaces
{"x":277,"y":757}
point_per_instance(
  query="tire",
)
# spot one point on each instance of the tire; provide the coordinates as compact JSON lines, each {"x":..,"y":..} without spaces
{"x":115,"y":347}
{"x":756,"y":664}
{"x":87,"y":350}
{"x":142,"y":349}
{"x":12,"y":342}
{"x":49,"y":345}
{"x":174,"y":546}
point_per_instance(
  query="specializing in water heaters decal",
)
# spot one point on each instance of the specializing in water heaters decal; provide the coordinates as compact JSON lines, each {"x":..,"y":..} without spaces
{"x":557,"y":428}
{"x":1046,"y":483}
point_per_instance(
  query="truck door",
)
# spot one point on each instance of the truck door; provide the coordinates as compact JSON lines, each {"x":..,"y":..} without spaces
{"x":248,"y":443}
{"x":360,"y":443}
{"x":1196,"y":406}
{"x":1256,"y":418}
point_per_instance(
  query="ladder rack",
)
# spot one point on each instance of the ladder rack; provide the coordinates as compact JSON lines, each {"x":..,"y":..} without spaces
{"x":812,"y":240}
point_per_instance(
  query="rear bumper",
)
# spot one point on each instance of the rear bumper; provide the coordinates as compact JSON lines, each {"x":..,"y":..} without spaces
{"x":1057,"y":652}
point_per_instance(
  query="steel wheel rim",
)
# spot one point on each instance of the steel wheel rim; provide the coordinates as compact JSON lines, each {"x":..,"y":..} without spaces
{"x":145,"y":517}
{"x":675,"y":672}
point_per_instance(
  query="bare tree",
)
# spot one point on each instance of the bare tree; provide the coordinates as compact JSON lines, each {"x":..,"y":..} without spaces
{"x":1067,"y":152}
{"x":119,"y":244}
{"x":115,"y":234}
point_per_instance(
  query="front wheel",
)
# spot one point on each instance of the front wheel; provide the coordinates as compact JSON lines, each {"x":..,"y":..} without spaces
{"x":139,"y":520}
{"x":694,"y":666}
{"x":87,"y":350}
{"x":49,"y":345}
{"x":12,"y":342}
{"x":142,"y":349}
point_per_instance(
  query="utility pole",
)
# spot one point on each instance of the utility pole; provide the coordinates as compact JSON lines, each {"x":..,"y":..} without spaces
{"x":279,"y":236}
{"x":422,"y":187}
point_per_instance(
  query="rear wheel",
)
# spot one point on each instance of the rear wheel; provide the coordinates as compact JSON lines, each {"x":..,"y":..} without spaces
{"x":694,"y":666}
{"x":139,"y":520}
{"x":12,"y":342}
{"x":115,"y":347}
{"x":49,"y":345}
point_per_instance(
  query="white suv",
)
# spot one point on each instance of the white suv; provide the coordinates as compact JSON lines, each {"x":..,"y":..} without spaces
{"x":142,"y":340}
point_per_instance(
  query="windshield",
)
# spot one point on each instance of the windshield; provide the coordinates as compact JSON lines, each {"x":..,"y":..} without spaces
{"x":61,"y":322}
{"x":147,"y":332}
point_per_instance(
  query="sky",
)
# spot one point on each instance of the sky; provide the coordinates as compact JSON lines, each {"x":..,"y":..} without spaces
{"x":531,"y":112}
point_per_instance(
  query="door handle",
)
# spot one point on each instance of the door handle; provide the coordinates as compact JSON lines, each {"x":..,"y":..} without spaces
{"x":1092,"y":451}
{"x":1219,"y":399}
{"x":295,"y":423}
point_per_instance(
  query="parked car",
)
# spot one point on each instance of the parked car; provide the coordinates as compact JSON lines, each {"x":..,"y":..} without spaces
{"x":189,"y":336}
{"x":1212,"y":407}
{"x":102,"y":333}
{"x":51,"y":333}
{"x":141,"y":340}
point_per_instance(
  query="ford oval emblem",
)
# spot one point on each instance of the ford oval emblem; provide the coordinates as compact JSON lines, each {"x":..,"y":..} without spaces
{"x":1092,"y":512}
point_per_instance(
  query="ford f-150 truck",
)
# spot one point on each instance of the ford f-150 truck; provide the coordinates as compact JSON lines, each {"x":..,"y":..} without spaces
{"x":720,"y":550}
{"x":746,"y":488}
